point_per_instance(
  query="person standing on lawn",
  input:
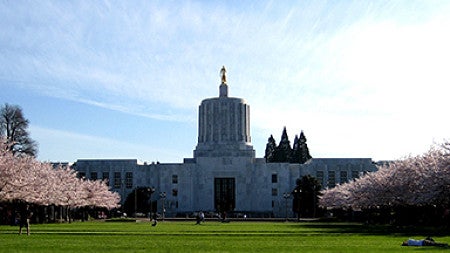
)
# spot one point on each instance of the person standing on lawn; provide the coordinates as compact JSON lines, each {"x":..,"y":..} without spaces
{"x":24,"y":219}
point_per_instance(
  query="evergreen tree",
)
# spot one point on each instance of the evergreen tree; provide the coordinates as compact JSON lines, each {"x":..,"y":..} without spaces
{"x":300,"y":153}
{"x":295,"y":158}
{"x":283,"y":151}
{"x":303,"y":150}
{"x":270,"y":150}
{"x":306,"y":196}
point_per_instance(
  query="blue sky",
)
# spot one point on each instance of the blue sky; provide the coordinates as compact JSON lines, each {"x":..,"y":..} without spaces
{"x":107,"y":79}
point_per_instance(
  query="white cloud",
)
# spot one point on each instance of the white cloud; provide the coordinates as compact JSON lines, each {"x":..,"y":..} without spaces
{"x":370,"y":89}
{"x":350,"y":73}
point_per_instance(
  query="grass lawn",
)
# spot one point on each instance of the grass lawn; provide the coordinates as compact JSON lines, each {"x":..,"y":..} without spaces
{"x":211,"y":237}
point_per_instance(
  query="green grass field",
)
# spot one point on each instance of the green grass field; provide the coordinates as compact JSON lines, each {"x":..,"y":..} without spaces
{"x":211,"y":237}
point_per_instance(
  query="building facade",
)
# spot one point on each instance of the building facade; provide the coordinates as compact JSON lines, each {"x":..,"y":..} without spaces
{"x":224,"y":173}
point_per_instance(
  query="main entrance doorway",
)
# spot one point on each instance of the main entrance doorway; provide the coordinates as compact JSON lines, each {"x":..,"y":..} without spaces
{"x":224,"y":194}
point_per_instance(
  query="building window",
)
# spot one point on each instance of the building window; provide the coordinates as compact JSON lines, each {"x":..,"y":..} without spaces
{"x":105,"y":177}
{"x":81,"y":174}
{"x":344,"y":177}
{"x":274,"y":178}
{"x":274,"y":192}
{"x":319,"y":176}
{"x":117,"y":179}
{"x":93,"y":175}
{"x":129,"y":180}
{"x":174,"y":192}
{"x":331,"y":179}
{"x":174,"y":179}
{"x":355,"y":174}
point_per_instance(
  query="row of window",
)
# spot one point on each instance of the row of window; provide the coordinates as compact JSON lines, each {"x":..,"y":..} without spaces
{"x":331,"y":177}
{"x":331,"y":182}
{"x":117,"y":179}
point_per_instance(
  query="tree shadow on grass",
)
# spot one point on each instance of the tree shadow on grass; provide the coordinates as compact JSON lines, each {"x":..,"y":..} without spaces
{"x":365,"y":229}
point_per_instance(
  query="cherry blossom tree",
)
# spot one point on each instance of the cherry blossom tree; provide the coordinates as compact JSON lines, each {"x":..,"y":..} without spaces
{"x":24,"y":179}
{"x":99,"y":195}
{"x":416,"y":181}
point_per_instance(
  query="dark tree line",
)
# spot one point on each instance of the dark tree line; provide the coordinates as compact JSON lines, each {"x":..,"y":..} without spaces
{"x":306,"y":197}
{"x":139,"y":201}
{"x":284,"y":153}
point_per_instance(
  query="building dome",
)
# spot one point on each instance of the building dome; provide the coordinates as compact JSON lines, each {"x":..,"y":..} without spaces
{"x":224,"y":125}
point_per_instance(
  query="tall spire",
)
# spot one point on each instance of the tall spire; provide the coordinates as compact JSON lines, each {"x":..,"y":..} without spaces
{"x":223,"y":89}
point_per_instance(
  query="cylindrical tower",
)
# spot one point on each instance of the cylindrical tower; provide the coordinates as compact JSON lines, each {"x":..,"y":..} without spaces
{"x":224,"y":126}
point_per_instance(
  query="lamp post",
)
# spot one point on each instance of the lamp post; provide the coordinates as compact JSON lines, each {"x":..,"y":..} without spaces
{"x":151,"y":190}
{"x":286,"y":196}
{"x":135,"y":202}
{"x":314,"y":200}
{"x":297,"y":193}
{"x":163,"y":196}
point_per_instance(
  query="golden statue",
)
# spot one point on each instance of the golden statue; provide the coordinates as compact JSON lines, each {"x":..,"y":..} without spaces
{"x":223,"y":74}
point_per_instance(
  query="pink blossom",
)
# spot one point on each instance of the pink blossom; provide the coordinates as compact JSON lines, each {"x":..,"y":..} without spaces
{"x":26,"y":179}
{"x":413,"y":181}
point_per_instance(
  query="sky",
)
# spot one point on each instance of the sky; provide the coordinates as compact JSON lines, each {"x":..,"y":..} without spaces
{"x":124,"y":79}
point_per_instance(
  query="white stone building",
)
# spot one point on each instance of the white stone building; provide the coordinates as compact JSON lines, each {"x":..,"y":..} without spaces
{"x":224,"y":171}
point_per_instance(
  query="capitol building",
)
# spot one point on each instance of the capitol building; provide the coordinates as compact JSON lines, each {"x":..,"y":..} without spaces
{"x":224,"y":172}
